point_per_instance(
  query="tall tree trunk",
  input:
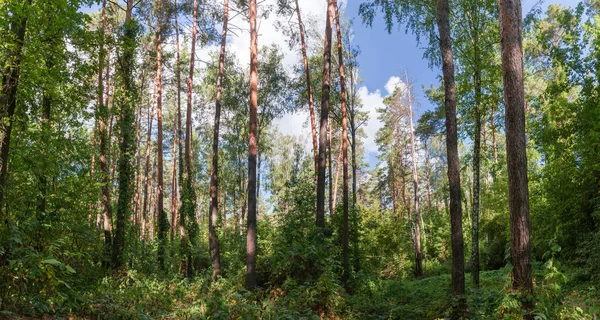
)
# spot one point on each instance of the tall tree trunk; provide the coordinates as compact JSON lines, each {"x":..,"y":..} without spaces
{"x":214,"y":176}
{"x":311,"y":104}
{"x":415,"y":175}
{"x":337,"y":171}
{"x":8,"y":97}
{"x":516,"y":146}
{"x":345,"y":200}
{"x":251,"y":233}
{"x":102,"y":120}
{"x":320,"y":219}
{"x":427,"y":175}
{"x":330,"y":168}
{"x":163,"y":224}
{"x":493,"y":128}
{"x":476,"y":165}
{"x":458,"y":259}
{"x":128,"y":95}
{"x":189,"y":196}
{"x":179,"y":133}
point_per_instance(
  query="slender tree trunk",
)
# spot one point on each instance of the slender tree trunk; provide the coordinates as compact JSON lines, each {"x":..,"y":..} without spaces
{"x":214,"y":176}
{"x":251,"y":233}
{"x":320,"y":219}
{"x":493,"y":127}
{"x":476,"y":167}
{"x":516,"y":146}
{"x":330,"y":168}
{"x":458,"y":259}
{"x":337,"y":171}
{"x":427,"y":175}
{"x":417,"y":213}
{"x":188,"y":233}
{"x":311,"y":104}
{"x":8,"y":98}
{"x":344,"y":138}
{"x":163,"y":224}
{"x":102,"y":120}
{"x":147,"y":180}
{"x":128,"y":95}
{"x":179,"y":133}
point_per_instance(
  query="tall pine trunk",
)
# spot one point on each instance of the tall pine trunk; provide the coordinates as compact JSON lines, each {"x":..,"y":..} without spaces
{"x":214,"y":176}
{"x":345,"y":200}
{"x":311,"y":104}
{"x":415,"y":176}
{"x":102,"y":121}
{"x":516,"y":146}
{"x":325,"y":91}
{"x":458,"y":259}
{"x":251,"y":233}
{"x":162,"y":220}
{"x":188,"y":233}
{"x":127,"y":100}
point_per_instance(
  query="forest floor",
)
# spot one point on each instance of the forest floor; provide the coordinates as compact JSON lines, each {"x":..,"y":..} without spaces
{"x":134,"y":296}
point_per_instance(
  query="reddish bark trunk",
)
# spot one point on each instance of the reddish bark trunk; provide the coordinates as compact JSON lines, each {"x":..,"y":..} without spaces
{"x":458,"y":259}
{"x":251,"y":233}
{"x":214,"y":176}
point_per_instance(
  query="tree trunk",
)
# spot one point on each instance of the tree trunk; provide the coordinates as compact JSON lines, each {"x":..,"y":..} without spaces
{"x":330,"y":168}
{"x":251,"y":233}
{"x":311,"y":104}
{"x":417,"y":213}
{"x":516,"y":146}
{"x":337,"y":171}
{"x":214,"y":176}
{"x":179,"y":137}
{"x":102,"y":120}
{"x":458,"y":259}
{"x":476,"y":165}
{"x":345,"y":200}
{"x":427,"y":175}
{"x":187,"y":233}
{"x":320,"y":219}
{"x":127,"y":147}
{"x":8,"y":98}
{"x":160,"y":210}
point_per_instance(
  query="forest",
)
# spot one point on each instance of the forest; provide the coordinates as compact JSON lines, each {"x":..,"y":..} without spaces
{"x":147,"y":169}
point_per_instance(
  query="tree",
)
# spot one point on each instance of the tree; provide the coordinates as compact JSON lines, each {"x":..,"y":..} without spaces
{"x":251,"y":233}
{"x":163,"y":224}
{"x":325,"y":91}
{"x":345,"y":236}
{"x":516,"y":146}
{"x":189,"y":195}
{"x":214,"y":176}
{"x":458,"y":273}
{"x":126,"y":95}
{"x":311,"y":104}
{"x":415,"y":175}
{"x":10,"y":84}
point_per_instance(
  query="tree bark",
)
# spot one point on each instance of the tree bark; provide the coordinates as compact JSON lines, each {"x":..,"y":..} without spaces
{"x":475,"y":267}
{"x":516,"y":146}
{"x":320,"y":219}
{"x":214,"y":177}
{"x":311,"y":104}
{"x":127,"y":147}
{"x":187,"y":233}
{"x":344,"y":138}
{"x":251,"y":233}
{"x":8,"y":98}
{"x":458,"y":259}
{"x":102,"y":119}
{"x":415,"y":176}
{"x":160,"y":210}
